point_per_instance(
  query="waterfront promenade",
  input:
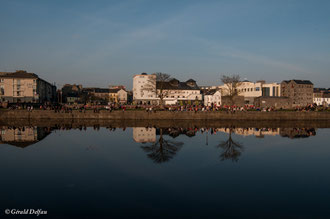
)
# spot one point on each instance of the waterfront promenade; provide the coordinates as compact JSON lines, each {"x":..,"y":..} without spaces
{"x":167,"y":115}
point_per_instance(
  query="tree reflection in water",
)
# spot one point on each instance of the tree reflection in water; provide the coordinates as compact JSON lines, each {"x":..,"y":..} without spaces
{"x":231,"y":149}
{"x":162,"y":150}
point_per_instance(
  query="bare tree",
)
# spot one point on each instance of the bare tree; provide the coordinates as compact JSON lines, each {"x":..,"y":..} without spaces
{"x":159,"y":86}
{"x":231,"y":149}
{"x":162,"y":150}
{"x":231,"y":86}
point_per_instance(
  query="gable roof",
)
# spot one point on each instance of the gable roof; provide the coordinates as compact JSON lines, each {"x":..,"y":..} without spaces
{"x":299,"y":81}
{"x":303,"y":82}
{"x":18,"y":74}
{"x":114,"y":90}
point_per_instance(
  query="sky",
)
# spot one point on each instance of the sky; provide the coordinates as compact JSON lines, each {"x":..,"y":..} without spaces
{"x":102,"y":43}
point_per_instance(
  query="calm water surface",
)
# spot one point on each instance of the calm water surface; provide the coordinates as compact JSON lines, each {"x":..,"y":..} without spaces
{"x":166,"y":173}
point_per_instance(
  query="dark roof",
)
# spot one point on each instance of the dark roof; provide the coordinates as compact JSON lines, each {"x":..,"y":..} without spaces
{"x":191,"y":80}
{"x":101,"y":90}
{"x":175,"y":86}
{"x":96,"y":90}
{"x":210,"y":92}
{"x":300,"y":81}
{"x":326,"y":95}
{"x":18,"y":74}
{"x":114,"y":90}
{"x":303,"y":82}
{"x":72,"y":94}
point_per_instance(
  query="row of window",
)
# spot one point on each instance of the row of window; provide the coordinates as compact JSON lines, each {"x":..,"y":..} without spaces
{"x":18,"y":81}
{"x":322,"y":99}
{"x":249,"y":89}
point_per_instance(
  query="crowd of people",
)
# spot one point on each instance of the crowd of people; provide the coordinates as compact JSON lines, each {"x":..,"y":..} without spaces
{"x":64,"y":108}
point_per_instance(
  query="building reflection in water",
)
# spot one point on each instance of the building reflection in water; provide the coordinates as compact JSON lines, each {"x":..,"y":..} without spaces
{"x":22,"y":136}
{"x":159,"y":150}
{"x":159,"y":143}
{"x":232,"y":150}
{"x":258,"y":132}
{"x":297,"y":132}
{"x":162,"y":150}
{"x":143,"y":135}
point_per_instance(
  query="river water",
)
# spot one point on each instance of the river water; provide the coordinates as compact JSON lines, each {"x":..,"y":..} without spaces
{"x":148,"y":172}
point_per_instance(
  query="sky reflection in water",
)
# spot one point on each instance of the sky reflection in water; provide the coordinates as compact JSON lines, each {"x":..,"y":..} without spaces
{"x":148,"y":172}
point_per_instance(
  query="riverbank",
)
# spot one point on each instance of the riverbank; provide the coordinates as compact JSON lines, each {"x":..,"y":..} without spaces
{"x":79,"y":123}
{"x":166,"y":115}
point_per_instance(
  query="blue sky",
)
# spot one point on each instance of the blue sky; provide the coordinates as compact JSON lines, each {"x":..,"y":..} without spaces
{"x":97,"y":43}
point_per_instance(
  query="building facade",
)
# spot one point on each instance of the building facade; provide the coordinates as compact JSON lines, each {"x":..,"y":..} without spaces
{"x":24,"y":87}
{"x":321,"y":97}
{"x":300,"y":92}
{"x":118,"y":95}
{"x":22,"y":136}
{"x":274,"y":102}
{"x":251,"y":90}
{"x":144,"y":135}
{"x":71,"y":93}
{"x":142,"y":95}
{"x":146,"y":90}
{"x":212,"y":97}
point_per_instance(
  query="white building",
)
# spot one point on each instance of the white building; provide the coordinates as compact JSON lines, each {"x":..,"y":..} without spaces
{"x":251,"y":90}
{"x":212,"y":97}
{"x":141,"y":95}
{"x":321,"y":97}
{"x":174,"y":91}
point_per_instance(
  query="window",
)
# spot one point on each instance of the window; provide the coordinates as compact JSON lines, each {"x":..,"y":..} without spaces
{"x":2,"y":80}
{"x":18,"y":93}
{"x":257,"y":88}
{"x":2,"y":90}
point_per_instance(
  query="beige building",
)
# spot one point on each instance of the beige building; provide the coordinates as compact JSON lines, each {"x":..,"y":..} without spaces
{"x":250,"y":90}
{"x":22,"y":136}
{"x":118,"y":95}
{"x":252,"y":131}
{"x":24,"y":87}
{"x":143,"y":135}
{"x":112,"y":95}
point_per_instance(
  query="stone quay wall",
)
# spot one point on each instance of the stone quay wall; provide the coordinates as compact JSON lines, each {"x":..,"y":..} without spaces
{"x":166,"y":115}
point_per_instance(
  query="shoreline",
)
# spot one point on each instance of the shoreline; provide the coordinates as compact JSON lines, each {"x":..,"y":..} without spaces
{"x":78,"y":123}
{"x":166,"y":119}
{"x":167,"y":115}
